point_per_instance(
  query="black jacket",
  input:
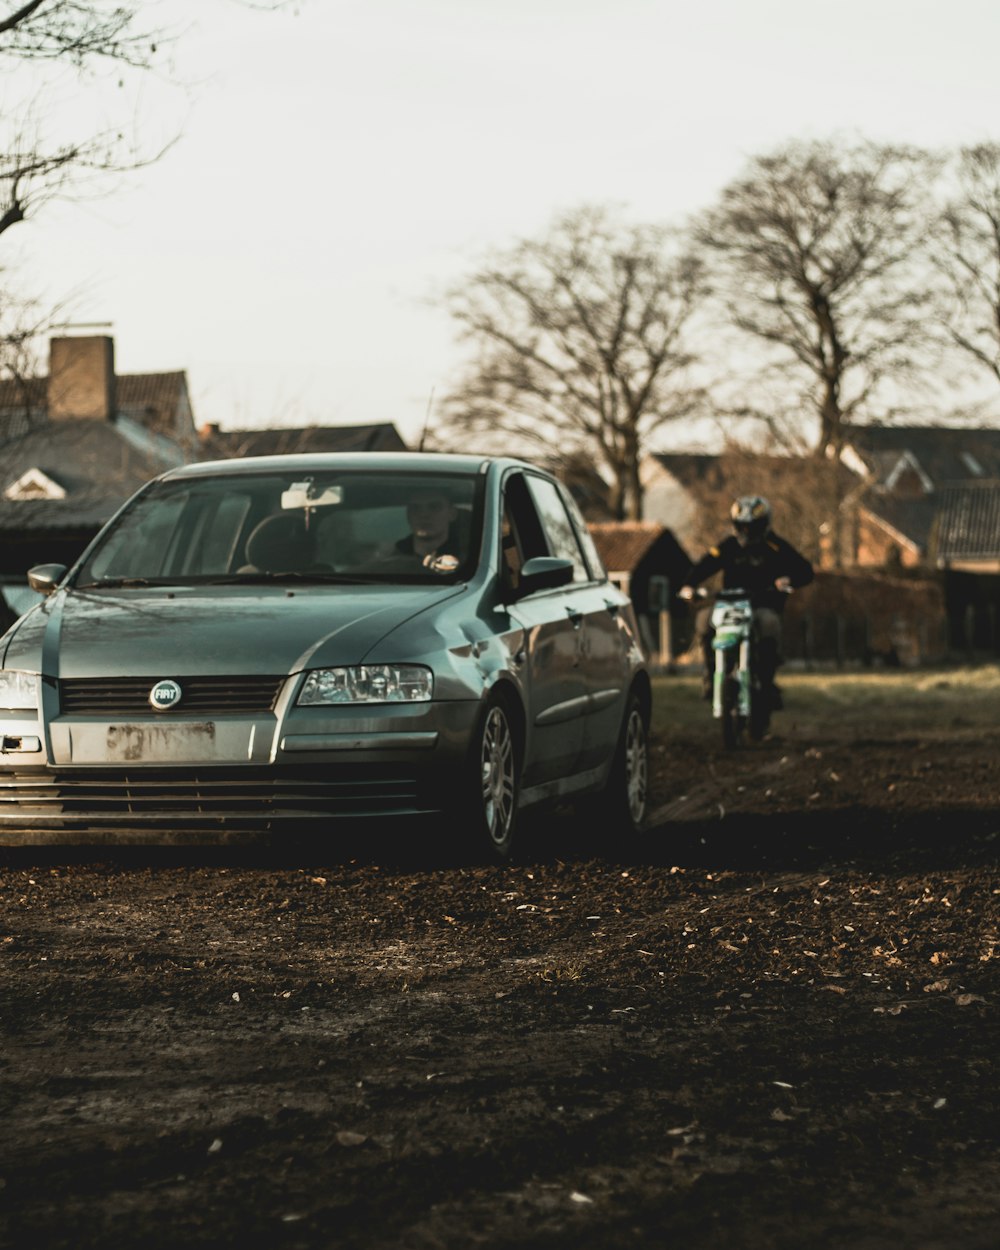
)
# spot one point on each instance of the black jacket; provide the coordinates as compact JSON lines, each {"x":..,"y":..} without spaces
{"x":452,"y":545}
{"x":754,"y":568}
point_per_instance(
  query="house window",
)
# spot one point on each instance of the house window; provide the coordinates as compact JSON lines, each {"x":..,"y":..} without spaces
{"x":34,"y":485}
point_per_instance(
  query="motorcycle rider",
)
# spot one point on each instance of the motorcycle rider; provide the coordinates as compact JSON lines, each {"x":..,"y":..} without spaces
{"x":755,"y":559}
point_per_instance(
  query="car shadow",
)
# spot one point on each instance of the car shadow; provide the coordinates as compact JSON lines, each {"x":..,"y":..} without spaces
{"x":857,"y":838}
{"x":393,"y":843}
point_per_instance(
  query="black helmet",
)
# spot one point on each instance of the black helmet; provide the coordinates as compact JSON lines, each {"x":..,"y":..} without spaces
{"x":751,"y":516}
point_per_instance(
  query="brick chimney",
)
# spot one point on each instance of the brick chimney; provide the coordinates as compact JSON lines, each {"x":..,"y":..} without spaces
{"x":81,"y":377}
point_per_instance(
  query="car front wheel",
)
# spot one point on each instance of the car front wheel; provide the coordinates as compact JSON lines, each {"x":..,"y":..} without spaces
{"x":489,"y":811}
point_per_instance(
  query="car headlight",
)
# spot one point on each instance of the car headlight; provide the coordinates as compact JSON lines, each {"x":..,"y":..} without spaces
{"x":369,"y":683}
{"x":18,"y":691}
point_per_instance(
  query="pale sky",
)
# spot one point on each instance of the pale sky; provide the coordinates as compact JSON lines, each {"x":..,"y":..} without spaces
{"x":339,"y":163}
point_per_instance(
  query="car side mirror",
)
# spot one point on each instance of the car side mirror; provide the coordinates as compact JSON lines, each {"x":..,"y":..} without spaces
{"x":544,"y":573}
{"x":44,"y":578}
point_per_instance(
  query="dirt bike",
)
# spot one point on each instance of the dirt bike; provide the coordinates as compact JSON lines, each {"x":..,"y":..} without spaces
{"x":740,"y":701}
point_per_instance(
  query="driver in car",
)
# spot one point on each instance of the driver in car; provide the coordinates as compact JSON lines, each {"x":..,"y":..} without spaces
{"x":434,"y":531}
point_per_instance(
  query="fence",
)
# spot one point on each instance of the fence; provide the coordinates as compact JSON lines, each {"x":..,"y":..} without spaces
{"x":868,"y":617}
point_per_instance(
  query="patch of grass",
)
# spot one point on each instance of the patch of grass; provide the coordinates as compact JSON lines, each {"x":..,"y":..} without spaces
{"x":561,"y":972}
{"x":864,"y":703}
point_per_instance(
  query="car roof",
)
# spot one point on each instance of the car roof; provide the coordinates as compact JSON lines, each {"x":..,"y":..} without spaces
{"x":412,"y":461}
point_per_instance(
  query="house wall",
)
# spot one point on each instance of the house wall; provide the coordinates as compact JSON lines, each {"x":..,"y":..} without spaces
{"x":877,"y":547}
{"x":666,"y":501}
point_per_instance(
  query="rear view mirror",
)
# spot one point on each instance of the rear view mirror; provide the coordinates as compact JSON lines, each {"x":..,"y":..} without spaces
{"x":308,"y":495}
{"x":544,"y":573}
{"x":44,"y":578}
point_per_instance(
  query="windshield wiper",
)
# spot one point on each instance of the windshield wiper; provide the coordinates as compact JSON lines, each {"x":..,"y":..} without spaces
{"x":250,"y":579}
{"x":106,"y":582}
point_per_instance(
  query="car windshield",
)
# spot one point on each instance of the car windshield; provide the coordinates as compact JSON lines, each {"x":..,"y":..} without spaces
{"x":332,"y":526}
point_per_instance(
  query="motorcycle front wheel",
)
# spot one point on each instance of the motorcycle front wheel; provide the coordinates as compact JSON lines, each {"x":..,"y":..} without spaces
{"x":732,"y":722}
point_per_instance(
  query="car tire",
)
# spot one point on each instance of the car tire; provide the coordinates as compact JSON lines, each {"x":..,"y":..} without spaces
{"x":625,"y":798}
{"x":487,"y":817}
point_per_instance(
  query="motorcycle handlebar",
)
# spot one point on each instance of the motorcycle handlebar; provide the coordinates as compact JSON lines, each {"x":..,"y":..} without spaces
{"x":699,"y":592}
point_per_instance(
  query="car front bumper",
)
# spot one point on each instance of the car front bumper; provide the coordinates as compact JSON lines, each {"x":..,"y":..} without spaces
{"x":161,"y":781}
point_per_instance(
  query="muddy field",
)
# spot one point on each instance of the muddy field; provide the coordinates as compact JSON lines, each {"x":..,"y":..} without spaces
{"x":774,"y":1026}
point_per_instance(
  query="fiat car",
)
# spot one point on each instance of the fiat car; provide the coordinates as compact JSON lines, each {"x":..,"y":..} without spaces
{"x":298,"y":640}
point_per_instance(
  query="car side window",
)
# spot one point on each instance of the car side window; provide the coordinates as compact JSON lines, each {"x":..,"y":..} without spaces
{"x":511,"y":558}
{"x":559,"y":529}
{"x":521,"y":536}
{"x":598,"y":572}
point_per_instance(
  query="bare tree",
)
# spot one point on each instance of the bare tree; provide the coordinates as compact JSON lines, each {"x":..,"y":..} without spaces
{"x":814,"y":250}
{"x":84,"y":35}
{"x":23,"y":328}
{"x":78,"y":30}
{"x":965,"y":249}
{"x":580,"y":348}
{"x":92,"y":38}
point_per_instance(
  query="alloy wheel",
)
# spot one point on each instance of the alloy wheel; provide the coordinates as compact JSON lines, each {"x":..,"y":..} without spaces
{"x":636,"y":766}
{"x":497,"y":776}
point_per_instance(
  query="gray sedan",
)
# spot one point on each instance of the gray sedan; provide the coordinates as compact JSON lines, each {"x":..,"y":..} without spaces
{"x":297,"y":639}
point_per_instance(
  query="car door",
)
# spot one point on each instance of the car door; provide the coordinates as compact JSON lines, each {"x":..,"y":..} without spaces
{"x":596,"y":609}
{"x":610,"y":648}
{"x":555,"y":690}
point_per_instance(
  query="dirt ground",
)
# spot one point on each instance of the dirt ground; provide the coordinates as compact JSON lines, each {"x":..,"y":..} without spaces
{"x":774,"y":1026}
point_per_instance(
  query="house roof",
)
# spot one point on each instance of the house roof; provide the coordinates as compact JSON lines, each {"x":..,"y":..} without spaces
{"x":22,"y":403}
{"x":968,"y":526}
{"x":96,"y":465}
{"x":285,"y":440}
{"x":152,"y":399}
{"x":946,"y":462}
{"x":942,"y":453}
{"x":911,"y":518}
{"x":623,"y":545}
{"x":686,"y":467}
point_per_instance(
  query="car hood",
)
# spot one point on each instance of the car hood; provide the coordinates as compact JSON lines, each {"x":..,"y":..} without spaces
{"x":191,"y":631}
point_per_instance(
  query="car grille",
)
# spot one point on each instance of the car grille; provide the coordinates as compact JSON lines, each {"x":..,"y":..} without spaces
{"x":211,"y":799}
{"x":205,"y":696}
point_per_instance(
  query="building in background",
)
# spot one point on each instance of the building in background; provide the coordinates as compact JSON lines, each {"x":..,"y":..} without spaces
{"x":901,"y":477}
{"x":216,"y":443}
{"x":905,"y":528}
{"x":684,"y":492}
{"x":645,"y":560}
{"x":74,"y":445}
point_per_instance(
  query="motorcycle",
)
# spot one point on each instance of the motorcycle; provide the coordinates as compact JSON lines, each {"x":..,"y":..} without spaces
{"x":740,"y":701}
